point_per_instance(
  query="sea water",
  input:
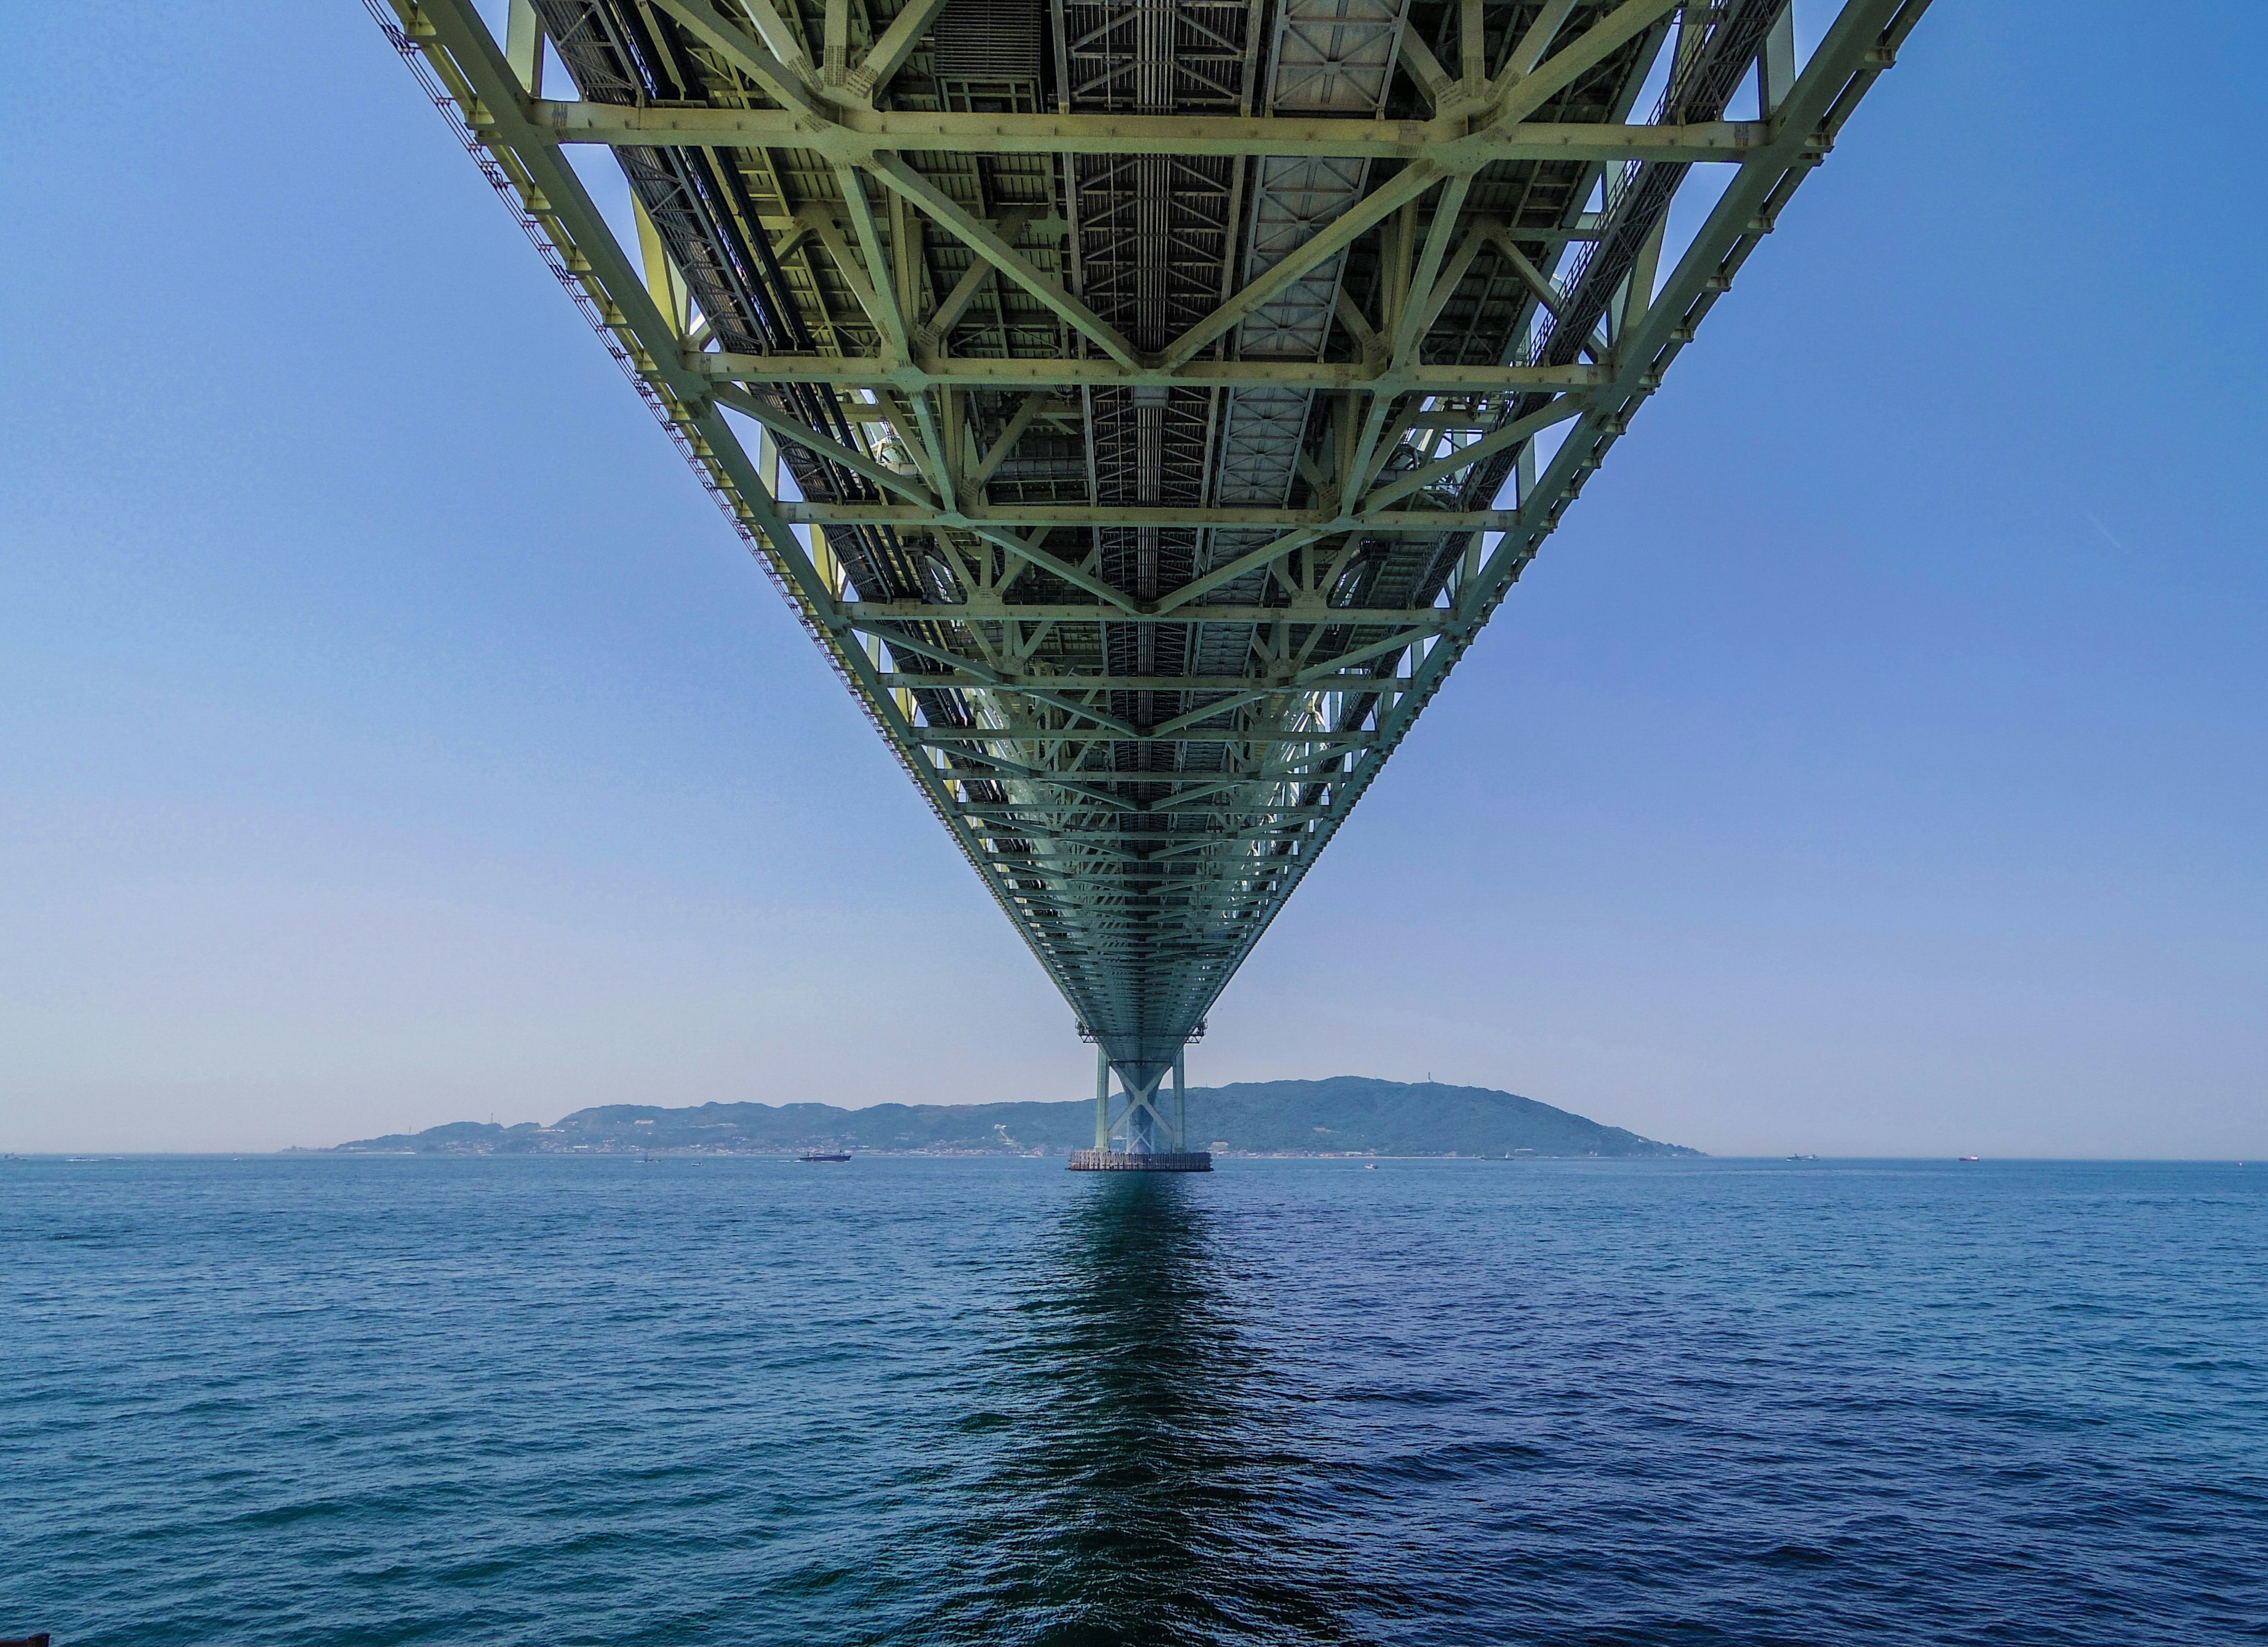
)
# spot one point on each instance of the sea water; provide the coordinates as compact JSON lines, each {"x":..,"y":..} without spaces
{"x":314,"y":1400}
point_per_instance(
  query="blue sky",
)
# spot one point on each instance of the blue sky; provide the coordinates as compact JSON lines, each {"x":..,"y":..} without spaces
{"x":391,"y":733}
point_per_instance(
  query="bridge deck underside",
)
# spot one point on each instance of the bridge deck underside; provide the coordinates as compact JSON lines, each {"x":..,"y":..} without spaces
{"x":1172,"y":387}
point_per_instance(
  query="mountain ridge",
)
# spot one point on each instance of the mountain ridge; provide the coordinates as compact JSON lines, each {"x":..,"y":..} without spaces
{"x":1338,"y":1115}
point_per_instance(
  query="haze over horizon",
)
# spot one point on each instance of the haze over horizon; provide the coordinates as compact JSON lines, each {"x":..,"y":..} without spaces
{"x":391,"y":733}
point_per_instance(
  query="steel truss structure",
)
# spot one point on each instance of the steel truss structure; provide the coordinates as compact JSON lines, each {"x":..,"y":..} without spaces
{"x":1171,"y":389}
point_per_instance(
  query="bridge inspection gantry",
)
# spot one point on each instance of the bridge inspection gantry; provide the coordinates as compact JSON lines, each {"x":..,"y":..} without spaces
{"x":1169,"y":390}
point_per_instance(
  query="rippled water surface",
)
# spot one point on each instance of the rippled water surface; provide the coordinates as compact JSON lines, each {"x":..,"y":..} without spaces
{"x":567,"y":1400}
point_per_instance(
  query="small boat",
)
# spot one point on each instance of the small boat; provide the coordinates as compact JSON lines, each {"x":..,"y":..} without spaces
{"x":1972,"y":1157}
{"x":826,"y":1155}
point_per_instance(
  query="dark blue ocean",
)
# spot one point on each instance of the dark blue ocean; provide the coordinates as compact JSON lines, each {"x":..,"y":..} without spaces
{"x":568,"y":1400}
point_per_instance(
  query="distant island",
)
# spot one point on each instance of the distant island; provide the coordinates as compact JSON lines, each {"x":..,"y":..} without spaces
{"x":1344,"y":1115}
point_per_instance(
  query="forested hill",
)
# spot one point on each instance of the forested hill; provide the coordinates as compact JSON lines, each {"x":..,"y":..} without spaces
{"x":1346,"y":1113}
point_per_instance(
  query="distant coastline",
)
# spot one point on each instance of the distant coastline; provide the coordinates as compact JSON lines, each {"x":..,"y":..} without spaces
{"x":1344,"y":1116}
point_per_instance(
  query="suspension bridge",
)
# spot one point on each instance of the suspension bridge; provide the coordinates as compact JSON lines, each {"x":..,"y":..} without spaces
{"x":1144,"y":404}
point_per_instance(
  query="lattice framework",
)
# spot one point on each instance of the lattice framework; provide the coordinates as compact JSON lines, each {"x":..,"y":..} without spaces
{"x":1173,"y":388}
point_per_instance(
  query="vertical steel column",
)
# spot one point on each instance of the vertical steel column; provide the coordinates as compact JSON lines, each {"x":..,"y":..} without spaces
{"x":1101,"y":1097}
{"x":1180,"y":1103}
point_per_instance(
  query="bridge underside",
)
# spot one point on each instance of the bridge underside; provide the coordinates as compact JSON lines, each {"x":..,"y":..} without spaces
{"x":1145,"y":403}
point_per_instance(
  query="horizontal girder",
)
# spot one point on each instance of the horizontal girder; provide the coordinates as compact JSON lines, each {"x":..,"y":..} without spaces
{"x":883,"y":370}
{"x":859,"y":135}
{"x":1429,"y":522}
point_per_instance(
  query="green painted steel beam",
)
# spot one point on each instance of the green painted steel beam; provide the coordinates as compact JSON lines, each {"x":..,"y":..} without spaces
{"x":988,"y":373}
{"x":857,"y":136}
{"x":1303,"y":612}
{"x":1018,"y":517}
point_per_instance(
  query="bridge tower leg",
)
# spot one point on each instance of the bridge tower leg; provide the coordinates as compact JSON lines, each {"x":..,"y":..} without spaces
{"x":1101,"y":1099}
{"x":1180,"y":1103}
